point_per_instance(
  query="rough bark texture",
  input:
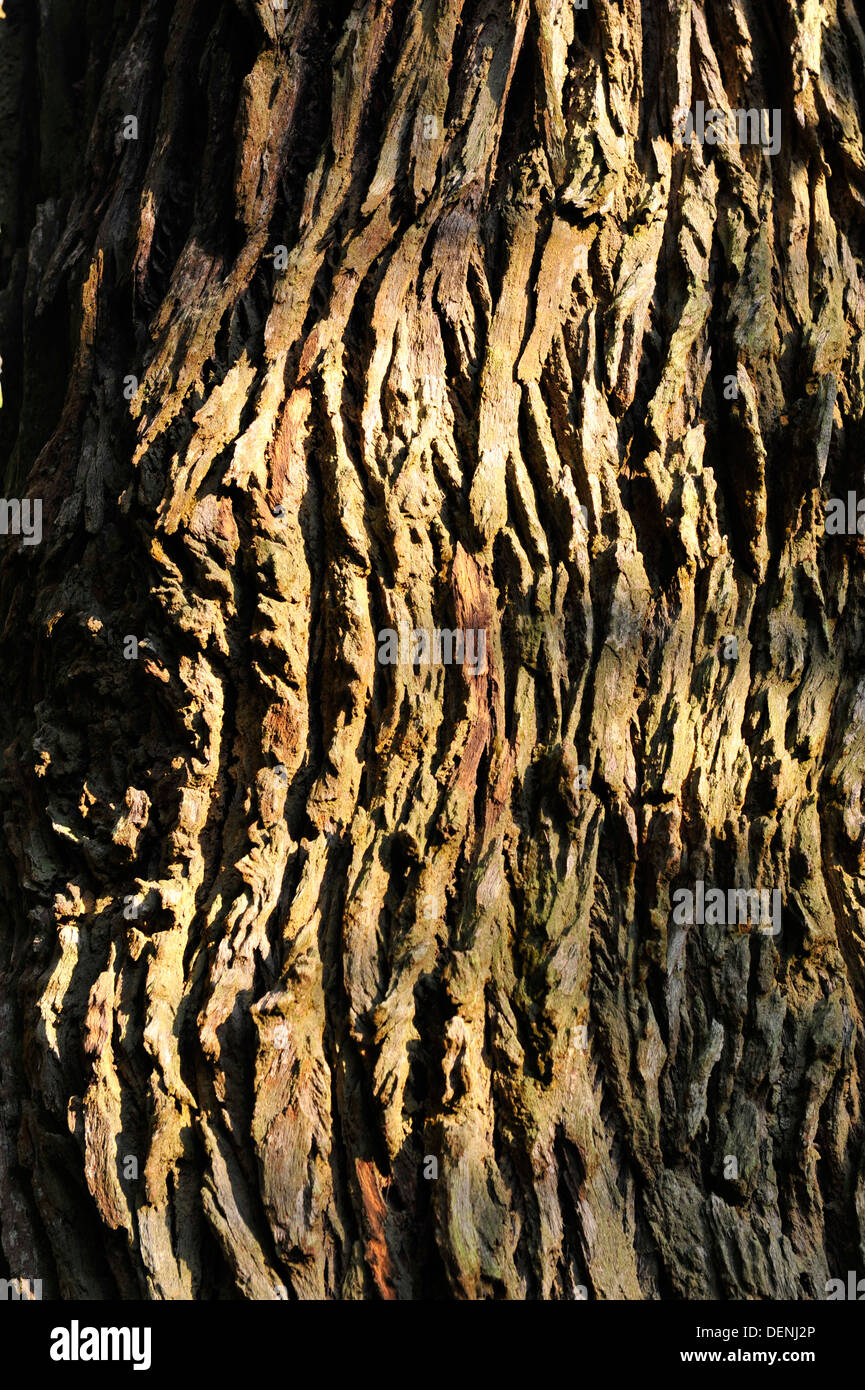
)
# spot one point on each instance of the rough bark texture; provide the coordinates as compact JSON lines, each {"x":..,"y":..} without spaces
{"x":278,"y":920}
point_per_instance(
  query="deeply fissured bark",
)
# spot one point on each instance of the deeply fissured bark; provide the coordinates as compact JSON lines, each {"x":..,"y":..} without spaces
{"x":418,"y":316}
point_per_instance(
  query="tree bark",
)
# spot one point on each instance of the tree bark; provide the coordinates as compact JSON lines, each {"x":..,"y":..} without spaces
{"x":323,"y":977}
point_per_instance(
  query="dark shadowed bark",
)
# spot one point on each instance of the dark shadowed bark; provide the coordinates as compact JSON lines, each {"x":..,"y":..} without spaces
{"x":328,"y":976}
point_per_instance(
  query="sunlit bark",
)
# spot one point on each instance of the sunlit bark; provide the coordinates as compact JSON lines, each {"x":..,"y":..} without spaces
{"x":325,"y":975}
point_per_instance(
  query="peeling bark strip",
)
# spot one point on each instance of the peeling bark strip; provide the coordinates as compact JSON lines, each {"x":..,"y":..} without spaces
{"x":362,"y":980}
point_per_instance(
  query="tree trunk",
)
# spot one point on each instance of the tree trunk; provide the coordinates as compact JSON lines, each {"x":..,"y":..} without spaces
{"x":435,"y":602}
